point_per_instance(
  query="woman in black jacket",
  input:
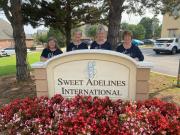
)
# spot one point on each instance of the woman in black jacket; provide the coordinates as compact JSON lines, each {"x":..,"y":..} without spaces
{"x":101,"y":41}
{"x":76,"y":43}
{"x":129,"y":49}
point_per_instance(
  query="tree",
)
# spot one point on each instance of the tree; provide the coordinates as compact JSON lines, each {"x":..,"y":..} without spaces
{"x":42,"y":38}
{"x":13,"y":12}
{"x":158,"y":32}
{"x":62,"y":15}
{"x":115,"y":8}
{"x":114,"y":19}
{"x":138,"y":30}
{"x":124,"y":26}
{"x":146,"y":22}
{"x":90,"y":31}
{"x":58,"y":35}
{"x":156,"y":27}
{"x":151,"y":26}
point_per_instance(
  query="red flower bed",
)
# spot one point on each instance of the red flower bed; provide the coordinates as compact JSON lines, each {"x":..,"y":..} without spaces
{"x":89,"y":116}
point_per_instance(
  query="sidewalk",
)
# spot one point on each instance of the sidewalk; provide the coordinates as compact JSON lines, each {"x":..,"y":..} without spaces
{"x":146,"y":46}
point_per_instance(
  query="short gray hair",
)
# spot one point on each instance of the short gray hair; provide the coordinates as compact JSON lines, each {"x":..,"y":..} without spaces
{"x":100,"y":29}
{"x":76,"y":30}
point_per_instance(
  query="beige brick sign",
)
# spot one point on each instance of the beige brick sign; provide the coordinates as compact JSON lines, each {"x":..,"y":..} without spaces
{"x":93,"y":72}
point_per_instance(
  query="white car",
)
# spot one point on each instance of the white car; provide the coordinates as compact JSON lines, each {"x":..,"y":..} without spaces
{"x":28,"y":50}
{"x":2,"y":53}
{"x":171,"y":45}
{"x":10,"y":51}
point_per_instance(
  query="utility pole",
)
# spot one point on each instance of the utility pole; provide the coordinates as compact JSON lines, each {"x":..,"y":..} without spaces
{"x":178,"y":77}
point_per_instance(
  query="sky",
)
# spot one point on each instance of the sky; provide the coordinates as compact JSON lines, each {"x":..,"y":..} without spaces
{"x":134,"y":19}
{"x":128,"y":18}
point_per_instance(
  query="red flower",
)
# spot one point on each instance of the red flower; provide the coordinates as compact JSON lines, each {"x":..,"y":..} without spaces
{"x":87,"y":115}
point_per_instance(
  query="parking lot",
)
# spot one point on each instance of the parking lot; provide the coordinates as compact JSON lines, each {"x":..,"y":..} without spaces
{"x":163,"y":63}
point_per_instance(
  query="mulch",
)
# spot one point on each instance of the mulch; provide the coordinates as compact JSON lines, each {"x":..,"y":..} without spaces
{"x":10,"y":89}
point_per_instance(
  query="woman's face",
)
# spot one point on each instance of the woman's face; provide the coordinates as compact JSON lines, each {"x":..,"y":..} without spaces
{"x":52,"y":44}
{"x":127,"y":40}
{"x":77,"y":36}
{"x":101,"y":36}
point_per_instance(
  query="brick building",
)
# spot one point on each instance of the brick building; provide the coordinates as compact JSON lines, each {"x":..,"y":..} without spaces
{"x":6,"y":36}
{"x":170,"y":26}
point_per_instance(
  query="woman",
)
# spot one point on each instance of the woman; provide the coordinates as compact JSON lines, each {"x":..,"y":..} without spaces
{"x":101,"y":42}
{"x":51,"y":50}
{"x":76,"y":44}
{"x":129,"y":49}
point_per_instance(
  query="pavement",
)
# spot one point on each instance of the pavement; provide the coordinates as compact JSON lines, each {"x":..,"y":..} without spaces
{"x":163,"y":63}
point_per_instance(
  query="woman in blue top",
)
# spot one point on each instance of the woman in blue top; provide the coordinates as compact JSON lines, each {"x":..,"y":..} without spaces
{"x":101,"y":42}
{"x":129,"y":49}
{"x":76,"y":43}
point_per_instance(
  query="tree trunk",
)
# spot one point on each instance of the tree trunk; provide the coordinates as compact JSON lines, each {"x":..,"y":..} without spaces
{"x":68,"y":35}
{"x":22,"y":70}
{"x":115,"y":15}
{"x":68,"y":25}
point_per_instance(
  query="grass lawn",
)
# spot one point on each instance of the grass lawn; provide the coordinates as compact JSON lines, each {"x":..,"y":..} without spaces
{"x":164,"y":88}
{"x":8,"y":64}
{"x":161,"y":82}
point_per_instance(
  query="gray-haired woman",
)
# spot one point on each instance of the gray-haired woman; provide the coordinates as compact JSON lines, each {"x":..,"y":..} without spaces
{"x":101,"y":40}
{"x":76,"y":43}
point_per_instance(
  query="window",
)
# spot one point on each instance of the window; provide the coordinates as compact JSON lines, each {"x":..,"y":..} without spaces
{"x":164,"y":41}
{"x":177,"y":40}
{"x":9,"y":49}
{"x":172,"y":32}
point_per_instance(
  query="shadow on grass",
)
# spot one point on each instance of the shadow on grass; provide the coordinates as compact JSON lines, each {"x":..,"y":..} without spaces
{"x":168,"y":94}
{"x":168,"y":98}
{"x":153,"y":94}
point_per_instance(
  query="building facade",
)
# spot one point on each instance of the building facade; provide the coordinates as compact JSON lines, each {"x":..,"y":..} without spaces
{"x":6,"y":36}
{"x":170,"y":26}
